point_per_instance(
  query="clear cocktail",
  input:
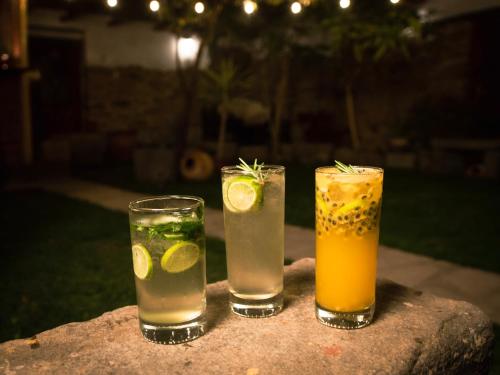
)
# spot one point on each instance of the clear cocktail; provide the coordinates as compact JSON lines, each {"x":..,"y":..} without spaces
{"x":348,"y":204}
{"x":168,"y":253}
{"x":254,"y":209}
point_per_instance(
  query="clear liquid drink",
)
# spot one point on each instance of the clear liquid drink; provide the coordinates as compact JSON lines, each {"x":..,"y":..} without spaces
{"x":254,"y":232}
{"x":168,"y":252}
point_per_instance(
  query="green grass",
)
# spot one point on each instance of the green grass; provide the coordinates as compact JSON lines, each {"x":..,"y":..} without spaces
{"x":64,"y":260}
{"x":449,"y":218}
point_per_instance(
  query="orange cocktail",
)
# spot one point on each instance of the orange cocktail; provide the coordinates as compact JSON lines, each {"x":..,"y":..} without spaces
{"x":348,"y":203}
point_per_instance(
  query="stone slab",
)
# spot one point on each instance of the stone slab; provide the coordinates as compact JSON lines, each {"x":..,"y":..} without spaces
{"x":413,"y":333}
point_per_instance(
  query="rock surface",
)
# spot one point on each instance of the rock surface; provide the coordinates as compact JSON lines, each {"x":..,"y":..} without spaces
{"x":413,"y":332}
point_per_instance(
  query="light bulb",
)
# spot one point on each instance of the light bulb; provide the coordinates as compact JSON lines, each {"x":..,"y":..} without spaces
{"x":394,"y":1}
{"x":112,"y":3}
{"x":344,"y":3}
{"x":296,"y":7}
{"x":249,"y":6}
{"x":199,"y":7}
{"x":154,"y":5}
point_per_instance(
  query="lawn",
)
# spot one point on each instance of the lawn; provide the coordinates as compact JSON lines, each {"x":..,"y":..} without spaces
{"x":449,"y":218}
{"x":64,"y":260}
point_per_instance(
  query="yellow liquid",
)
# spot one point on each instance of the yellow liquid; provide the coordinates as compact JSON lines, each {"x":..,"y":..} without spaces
{"x":346,"y":267}
{"x":347,"y":232}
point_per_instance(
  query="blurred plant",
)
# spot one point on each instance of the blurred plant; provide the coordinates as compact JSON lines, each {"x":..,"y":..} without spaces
{"x":182,"y":20}
{"x":268,"y":37}
{"x":357,"y":38}
{"x":361,"y":37}
{"x":222,"y":82}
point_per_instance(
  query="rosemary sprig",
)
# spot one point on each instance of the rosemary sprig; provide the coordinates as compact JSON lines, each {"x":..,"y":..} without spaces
{"x":255,"y":170}
{"x":344,"y":168}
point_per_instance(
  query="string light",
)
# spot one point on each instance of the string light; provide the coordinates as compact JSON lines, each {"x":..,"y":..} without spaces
{"x":249,"y":6}
{"x":154,"y":5}
{"x":199,"y":7}
{"x":112,"y":3}
{"x":296,"y":7}
{"x":344,"y":3}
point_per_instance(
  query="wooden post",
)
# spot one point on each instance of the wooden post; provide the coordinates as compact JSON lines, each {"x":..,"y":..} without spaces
{"x":14,"y":31}
{"x":14,"y":40}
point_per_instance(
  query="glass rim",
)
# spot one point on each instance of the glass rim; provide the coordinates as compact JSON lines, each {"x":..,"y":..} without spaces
{"x":322,"y":170}
{"x":197,"y":201}
{"x":266,"y":167}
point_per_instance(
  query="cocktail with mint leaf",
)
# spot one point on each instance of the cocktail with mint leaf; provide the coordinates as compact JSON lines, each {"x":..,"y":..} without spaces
{"x":168,"y":254}
{"x":254,"y":209}
{"x":348,"y":204}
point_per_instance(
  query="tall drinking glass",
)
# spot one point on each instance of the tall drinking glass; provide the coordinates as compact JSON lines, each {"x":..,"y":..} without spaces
{"x":168,"y":253}
{"x":254,"y":224}
{"x":348,"y":206}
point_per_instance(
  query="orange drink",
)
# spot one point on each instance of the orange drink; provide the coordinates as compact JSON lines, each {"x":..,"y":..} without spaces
{"x":348,"y":203}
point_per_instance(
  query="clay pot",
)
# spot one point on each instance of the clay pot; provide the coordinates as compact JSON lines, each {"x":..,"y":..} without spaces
{"x":196,"y":165}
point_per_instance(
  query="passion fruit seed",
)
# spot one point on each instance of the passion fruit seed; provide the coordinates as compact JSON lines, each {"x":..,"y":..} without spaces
{"x":357,"y":220}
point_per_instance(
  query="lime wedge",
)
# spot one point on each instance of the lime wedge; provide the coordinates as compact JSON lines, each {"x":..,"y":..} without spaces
{"x":242,"y":194}
{"x":143,"y":264}
{"x":180,"y":257}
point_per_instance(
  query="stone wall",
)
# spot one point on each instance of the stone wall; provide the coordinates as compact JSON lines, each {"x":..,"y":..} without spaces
{"x":130,"y":98}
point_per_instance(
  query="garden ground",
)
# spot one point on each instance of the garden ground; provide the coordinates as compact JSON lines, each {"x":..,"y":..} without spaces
{"x":87,"y":272}
{"x":444,"y":217}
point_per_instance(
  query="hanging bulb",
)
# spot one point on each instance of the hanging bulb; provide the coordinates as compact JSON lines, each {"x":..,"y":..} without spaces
{"x":344,"y":4}
{"x":199,"y":7}
{"x":112,"y":3}
{"x":154,"y":5}
{"x":249,"y":6}
{"x":296,"y":7}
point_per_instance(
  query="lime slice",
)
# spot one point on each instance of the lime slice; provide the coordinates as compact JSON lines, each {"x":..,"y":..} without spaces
{"x":242,"y":194}
{"x":173,"y":236}
{"x":143,"y":264}
{"x":180,"y":257}
{"x":225,"y":186}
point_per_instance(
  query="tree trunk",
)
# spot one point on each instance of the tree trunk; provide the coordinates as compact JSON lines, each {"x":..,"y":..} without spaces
{"x":351,"y":116}
{"x":222,"y":131}
{"x":189,"y":86}
{"x":280,"y":101}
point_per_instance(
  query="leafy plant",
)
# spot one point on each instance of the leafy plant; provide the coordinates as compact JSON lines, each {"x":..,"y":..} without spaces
{"x":363,"y":36}
{"x":222,"y":82}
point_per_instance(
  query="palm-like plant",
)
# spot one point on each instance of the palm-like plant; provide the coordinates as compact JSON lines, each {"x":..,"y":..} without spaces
{"x":362,"y":38}
{"x":222,"y":82}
